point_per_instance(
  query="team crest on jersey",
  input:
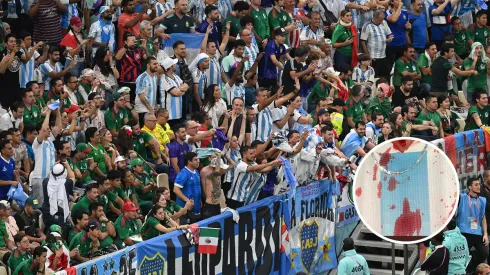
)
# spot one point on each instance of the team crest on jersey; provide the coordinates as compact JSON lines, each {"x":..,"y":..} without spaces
{"x":121,"y":115}
{"x":482,"y":66}
{"x":486,"y":114}
{"x":137,"y":56}
{"x":34,"y":114}
{"x":141,"y":140}
{"x":485,"y":33}
{"x":463,"y":36}
{"x":413,"y":67}
{"x":186,"y":24}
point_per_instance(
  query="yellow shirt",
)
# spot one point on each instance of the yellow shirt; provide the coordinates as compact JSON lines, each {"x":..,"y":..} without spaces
{"x":161,"y":134}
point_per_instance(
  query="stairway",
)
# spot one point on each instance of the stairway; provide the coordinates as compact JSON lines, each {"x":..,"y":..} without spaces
{"x":377,"y":252}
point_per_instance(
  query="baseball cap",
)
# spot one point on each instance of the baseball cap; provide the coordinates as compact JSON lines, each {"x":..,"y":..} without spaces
{"x":339,"y":102}
{"x":92,"y":225}
{"x":55,"y":228}
{"x":92,"y":96}
{"x":385,"y":88}
{"x":83,"y":147}
{"x":321,"y":112}
{"x":168,"y":62}
{"x":32,"y":201}
{"x":87,"y":72}
{"x":73,"y":108}
{"x":136,"y":162}
{"x":118,"y":159}
{"x":116,"y":96}
{"x":129,"y":206}
{"x":280,"y":31}
{"x":76,"y":21}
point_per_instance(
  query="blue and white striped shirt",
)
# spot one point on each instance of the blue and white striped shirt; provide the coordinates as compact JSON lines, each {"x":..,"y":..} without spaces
{"x":162,"y":8}
{"x":146,"y":84}
{"x":236,"y":157}
{"x":224,"y":8}
{"x":255,"y":189}
{"x":242,"y":181}
{"x":263,"y":121}
{"x":71,"y":11}
{"x":44,"y":157}
{"x":235,"y":91}
{"x":213,"y":73}
{"x":201,"y":80}
{"x":172,"y":103}
{"x":375,"y":37}
{"x":251,"y":52}
{"x":46,"y":68}
{"x":27,"y":69}
{"x":308,"y":34}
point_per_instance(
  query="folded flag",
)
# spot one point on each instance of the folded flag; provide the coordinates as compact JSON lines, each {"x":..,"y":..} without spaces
{"x":208,"y":240}
{"x":54,"y":105}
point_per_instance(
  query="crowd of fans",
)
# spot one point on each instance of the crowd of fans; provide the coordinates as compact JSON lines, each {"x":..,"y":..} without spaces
{"x":94,"y":108}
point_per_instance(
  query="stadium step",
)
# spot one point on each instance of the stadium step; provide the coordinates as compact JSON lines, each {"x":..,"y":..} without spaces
{"x":379,"y":258}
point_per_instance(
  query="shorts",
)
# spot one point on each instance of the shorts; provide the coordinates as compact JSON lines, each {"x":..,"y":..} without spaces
{"x":210,"y":210}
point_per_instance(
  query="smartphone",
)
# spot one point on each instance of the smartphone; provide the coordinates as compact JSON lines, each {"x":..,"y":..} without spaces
{"x":18,"y":42}
{"x":63,"y":157}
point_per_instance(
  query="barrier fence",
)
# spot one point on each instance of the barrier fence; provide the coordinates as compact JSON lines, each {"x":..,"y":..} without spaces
{"x":276,"y":235}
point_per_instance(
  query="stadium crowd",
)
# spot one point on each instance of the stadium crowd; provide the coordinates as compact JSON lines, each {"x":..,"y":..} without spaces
{"x":98,"y":107}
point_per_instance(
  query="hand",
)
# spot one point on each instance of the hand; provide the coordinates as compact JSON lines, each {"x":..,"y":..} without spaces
{"x":312,"y":67}
{"x":475,"y":72}
{"x":59,"y":252}
{"x":305,"y":134}
{"x":259,"y":56}
{"x":92,"y":166}
{"x":228,"y":25}
{"x":14,"y":183}
{"x":264,"y":42}
{"x":279,"y":91}
{"x":103,"y":219}
{"x":349,"y":41}
{"x":211,"y":132}
{"x":228,"y":114}
{"x":165,"y":36}
{"x":159,"y":161}
{"x":74,"y":252}
{"x":485,"y":239}
{"x":297,"y":85}
{"x":332,"y":25}
{"x":143,"y":43}
{"x":188,"y":205}
{"x":95,"y":83}
{"x":409,"y":127}
{"x":390,"y":37}
{"x":72,"y":64}
{"x":245,"y":58}
{"x":22,"y":46}
{"x":408,"y":25}
{"x":364,"y":8}
{"x":209,"y":29}
{"x":277,"y":162}
{"x":290,"y":109}
{"x":38,"y":45}
{"x":184,"y":87}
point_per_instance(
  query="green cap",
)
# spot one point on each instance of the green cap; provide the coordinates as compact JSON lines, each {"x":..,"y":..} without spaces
{"x":116,"y":96}
{"x":83,"y":147}
{"x":55,"y":228}
{"x":136,"y":162}
{"x":31,"y":201}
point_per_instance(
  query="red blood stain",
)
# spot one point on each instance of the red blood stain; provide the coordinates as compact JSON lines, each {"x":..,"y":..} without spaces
{"x":358,"y":191}
{"x":385,"y":158}
{"x":402,"y":145}
{"x":408,"y":222}
{"x":393,"y":207}
{"x":379,"y":189}
{"x":442,"y":172}
{"x":392,"y":184}
{"x":375,"y":172}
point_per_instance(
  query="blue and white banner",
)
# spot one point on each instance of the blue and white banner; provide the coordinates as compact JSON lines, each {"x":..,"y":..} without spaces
{"x":192,"y":42}
{"x":122,"y":262}
{"x":312,"y":233}
{"x":251,"y":246}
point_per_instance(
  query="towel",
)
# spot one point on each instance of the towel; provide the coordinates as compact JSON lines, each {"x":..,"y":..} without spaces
{"x":56,"y":191}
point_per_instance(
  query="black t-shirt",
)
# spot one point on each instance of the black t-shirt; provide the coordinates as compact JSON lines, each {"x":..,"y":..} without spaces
{"x":399,"y":99}
{"x":291,"y":66}
{"x":9,"y":81}
{"x":45,"y":207}
{"x":28,"y":224}
{"x":237,"y":126}
{"x":437,"y":262}
{"x":440,"y":70}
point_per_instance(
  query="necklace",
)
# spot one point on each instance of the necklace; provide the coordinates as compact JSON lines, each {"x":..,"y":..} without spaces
{"x":417,"y":161}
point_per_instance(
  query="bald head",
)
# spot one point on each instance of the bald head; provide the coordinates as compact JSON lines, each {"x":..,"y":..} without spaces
{"x":150,"y":121}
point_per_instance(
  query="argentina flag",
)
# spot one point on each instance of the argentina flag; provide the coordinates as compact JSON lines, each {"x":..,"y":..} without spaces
{"x":406,"y":189}
{"x":192,"y":42}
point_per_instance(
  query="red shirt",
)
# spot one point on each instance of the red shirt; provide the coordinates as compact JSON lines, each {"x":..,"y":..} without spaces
{"x":123,"y":18}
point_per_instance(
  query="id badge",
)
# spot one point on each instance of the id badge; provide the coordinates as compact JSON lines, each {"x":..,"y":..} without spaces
{"x":473,"y":224}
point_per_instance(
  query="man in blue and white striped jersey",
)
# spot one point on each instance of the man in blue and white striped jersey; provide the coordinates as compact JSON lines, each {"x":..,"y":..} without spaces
{"x":146,"y":90}
{"x":246,"y":173}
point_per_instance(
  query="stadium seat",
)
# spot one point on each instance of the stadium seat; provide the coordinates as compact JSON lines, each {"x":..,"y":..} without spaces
{"x":162,"y":181}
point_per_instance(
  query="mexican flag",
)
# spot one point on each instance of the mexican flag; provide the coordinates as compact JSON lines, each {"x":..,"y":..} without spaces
{"x":208,"y":240}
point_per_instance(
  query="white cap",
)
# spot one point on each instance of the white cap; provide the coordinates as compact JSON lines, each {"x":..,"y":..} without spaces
{"x":87,"y":72}
{"x":6,"y":203}
{"x":168,"y":62}
{"x":332,"y":71}
{"x":118,"y":159}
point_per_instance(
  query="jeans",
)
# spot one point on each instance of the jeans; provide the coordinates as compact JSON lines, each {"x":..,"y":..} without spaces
{"x":77,"y":70}
{"x":160,"y":168}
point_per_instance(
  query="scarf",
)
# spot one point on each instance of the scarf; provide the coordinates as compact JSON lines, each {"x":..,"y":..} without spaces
{"x":473,"y":49}
{"x":428,"y":58}
{"x":57,"y":194}
{"x":355,"y":44}
{"x":105,"y":31}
